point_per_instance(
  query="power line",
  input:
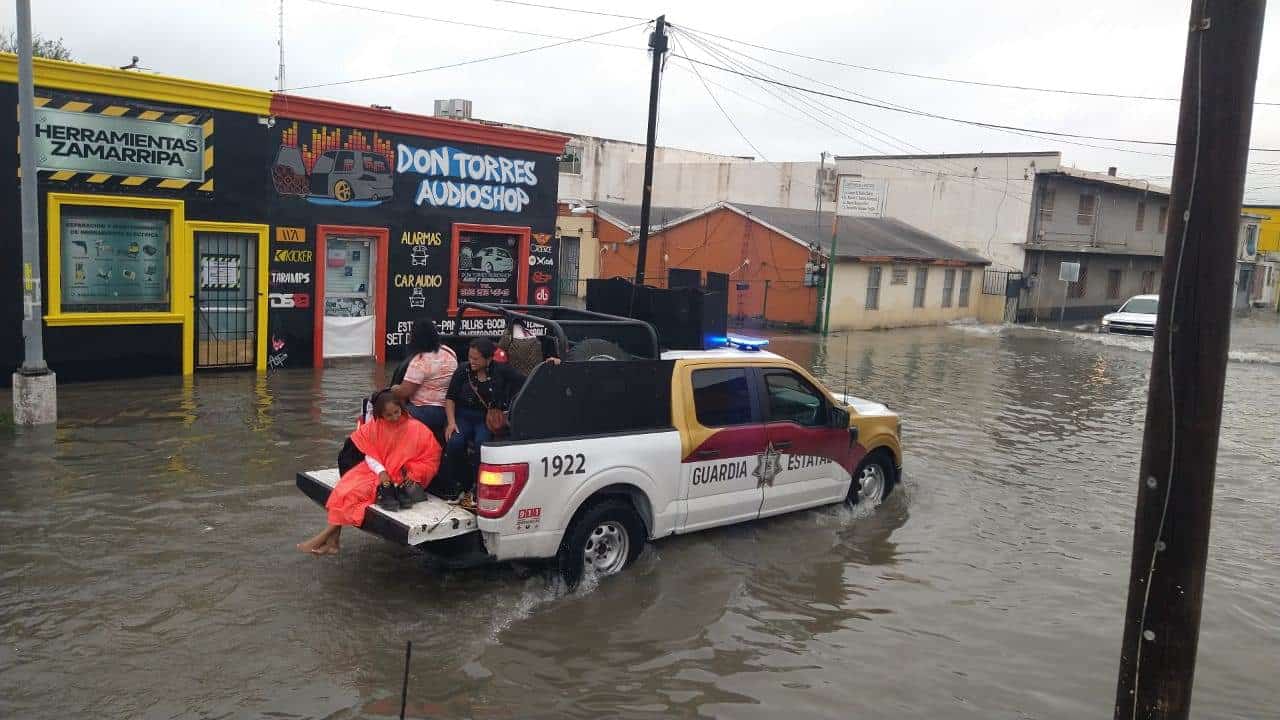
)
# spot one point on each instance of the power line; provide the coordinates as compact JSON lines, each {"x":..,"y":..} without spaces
{"x":467,"y":62}
{"x":460,"y":23}
{"x":936,"y":116}
{"x":572,"y":10}
{"x":941,"y":78}
{"x":724,"y":112}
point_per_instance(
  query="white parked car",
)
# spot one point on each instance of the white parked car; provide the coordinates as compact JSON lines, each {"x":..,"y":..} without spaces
{"x":1137,"y":316}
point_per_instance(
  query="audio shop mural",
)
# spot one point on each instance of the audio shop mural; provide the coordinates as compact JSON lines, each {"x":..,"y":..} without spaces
{"x":322,"y":232}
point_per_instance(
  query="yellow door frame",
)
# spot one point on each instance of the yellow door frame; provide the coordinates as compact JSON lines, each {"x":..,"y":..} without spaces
{"x":261,"y":231}
{"x":180,"y":264}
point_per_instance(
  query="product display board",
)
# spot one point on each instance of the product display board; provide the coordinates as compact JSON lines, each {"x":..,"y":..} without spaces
{"x":487,"y":269}
{"x":114,"y":256}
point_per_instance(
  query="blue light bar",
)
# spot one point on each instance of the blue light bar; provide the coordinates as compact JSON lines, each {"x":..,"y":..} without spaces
{"x":746,"y":342}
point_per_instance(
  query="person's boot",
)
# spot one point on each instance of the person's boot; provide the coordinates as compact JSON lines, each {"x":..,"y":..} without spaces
{"x":402,"y":496}
{"x":414,"y":491}
{"x":387,"y":499}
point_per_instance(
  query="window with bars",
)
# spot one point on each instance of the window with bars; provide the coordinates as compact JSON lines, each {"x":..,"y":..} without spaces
{"x":948,"y":286}
{"x":1114,"y":278}
{"x":1142,"y":216}
{"x":1162,"y":220}
{"x":1078,"y":288}
{"x":873,"y":287}
{"x":922,"y":280}
{"x":1087,"y":210}
{"x":1148,"y":282}
{"x":1047,"y":200}
{"x":899,"y":275}
{"x":966,"y":283}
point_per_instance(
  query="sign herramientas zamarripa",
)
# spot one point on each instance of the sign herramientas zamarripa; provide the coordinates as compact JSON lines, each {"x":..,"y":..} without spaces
{"x":122,"y":146}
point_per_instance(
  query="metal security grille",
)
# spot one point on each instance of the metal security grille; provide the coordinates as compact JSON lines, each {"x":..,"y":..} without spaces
{"x":569,"y":248}
{"x":226,"y":299}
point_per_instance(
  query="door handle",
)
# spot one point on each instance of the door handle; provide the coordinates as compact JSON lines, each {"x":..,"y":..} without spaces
{"x":707,"y":453}
{"x":782,"y":444}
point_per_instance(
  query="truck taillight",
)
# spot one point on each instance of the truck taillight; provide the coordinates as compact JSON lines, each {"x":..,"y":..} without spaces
{"x":497,"y":488}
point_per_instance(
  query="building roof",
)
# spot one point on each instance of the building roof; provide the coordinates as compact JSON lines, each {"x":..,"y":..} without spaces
{"x":1105,"y":179}
{"x":858,"y":238}
{"x":952,"y":156}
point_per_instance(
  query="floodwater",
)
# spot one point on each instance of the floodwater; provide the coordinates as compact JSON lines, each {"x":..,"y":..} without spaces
{"x":147,"y":562}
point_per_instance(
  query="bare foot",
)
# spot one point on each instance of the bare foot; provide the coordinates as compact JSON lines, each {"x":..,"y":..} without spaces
{"x":306,"y":548}
{"x":328,"y":549}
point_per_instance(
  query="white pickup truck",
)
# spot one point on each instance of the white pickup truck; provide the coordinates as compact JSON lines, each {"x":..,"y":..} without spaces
{"x":606,"y":456}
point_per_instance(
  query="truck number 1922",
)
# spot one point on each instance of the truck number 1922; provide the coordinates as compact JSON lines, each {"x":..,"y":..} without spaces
{"x":564,"y":465}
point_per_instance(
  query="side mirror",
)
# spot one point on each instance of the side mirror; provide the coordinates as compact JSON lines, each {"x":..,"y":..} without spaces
{"x":838,"y":417}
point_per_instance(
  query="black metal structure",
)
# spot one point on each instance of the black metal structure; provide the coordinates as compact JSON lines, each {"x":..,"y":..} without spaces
{"x":571,"y":329}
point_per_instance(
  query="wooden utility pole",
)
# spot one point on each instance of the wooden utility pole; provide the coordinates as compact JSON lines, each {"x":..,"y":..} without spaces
{"x":1188,"y":367}
{"x":658,"y":44}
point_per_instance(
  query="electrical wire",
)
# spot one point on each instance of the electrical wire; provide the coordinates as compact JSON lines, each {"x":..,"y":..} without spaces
{"x":466,"y":62}
{"x":936,"y":116}
{"x":941,"y":78}
{"x":460,"y":23}
{"x":724,"y":112}
{"x":572,"y":10}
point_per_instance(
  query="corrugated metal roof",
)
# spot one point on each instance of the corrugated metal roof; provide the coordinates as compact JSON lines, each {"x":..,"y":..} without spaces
{"x":858,"y":237}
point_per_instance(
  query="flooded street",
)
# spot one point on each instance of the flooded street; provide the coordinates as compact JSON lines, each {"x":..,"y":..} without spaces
{"x":148,"y":569}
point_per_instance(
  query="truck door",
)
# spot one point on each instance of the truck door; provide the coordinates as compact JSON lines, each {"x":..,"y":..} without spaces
{"x":808,"y":459}
{"x":719,"y":475}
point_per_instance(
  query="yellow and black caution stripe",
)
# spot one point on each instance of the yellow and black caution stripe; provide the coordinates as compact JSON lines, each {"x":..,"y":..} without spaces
{"x":132,"y":182}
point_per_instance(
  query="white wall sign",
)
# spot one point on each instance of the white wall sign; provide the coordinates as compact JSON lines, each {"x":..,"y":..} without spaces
{"x":1069,"y":272}
{"x":856,"y":197}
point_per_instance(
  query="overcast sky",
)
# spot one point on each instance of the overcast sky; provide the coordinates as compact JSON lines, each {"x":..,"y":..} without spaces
{"x":1131,"y":47}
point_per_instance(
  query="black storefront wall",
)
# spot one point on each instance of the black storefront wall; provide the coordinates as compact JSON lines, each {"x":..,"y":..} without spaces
{"x":299,"y":178}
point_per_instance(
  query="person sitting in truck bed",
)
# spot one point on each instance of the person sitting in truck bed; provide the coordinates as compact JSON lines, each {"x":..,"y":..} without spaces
{"x":426,"y":380}
{"x":478,"y":385}
{"x":399,"y":452}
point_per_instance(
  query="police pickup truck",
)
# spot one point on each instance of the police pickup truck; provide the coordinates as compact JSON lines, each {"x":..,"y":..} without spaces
{"x":603,"y":457}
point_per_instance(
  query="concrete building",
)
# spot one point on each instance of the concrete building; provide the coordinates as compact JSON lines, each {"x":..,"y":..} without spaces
{"x":887,"y":273}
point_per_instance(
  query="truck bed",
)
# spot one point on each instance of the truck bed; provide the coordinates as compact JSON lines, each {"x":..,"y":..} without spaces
{"x":425,"y":522}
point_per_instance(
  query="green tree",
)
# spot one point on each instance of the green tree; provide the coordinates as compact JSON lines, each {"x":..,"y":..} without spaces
{"x":40,"y":45}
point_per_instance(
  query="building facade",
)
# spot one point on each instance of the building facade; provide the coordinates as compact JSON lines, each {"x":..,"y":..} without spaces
{"x":776,"y":261}
{"x":189,"y":226}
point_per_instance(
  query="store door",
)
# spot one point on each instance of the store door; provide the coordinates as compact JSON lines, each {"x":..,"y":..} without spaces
{"x":569,"y":247}
{"x":226,"y":299}
{"x":350,"y":292}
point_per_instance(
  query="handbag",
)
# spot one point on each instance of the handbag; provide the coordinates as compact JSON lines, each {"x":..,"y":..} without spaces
{"x":494,"y":417}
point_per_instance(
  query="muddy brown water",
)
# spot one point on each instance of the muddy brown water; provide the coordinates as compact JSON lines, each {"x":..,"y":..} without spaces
{"x":147,"y":566}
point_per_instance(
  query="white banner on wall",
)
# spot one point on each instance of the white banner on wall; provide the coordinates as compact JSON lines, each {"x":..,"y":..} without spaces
{"x":858,"y":197}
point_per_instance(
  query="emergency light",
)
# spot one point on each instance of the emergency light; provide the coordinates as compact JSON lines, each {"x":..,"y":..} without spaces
{"x":746,"y":342}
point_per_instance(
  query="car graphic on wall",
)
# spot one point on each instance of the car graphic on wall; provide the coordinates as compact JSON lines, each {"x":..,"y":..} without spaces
{"x":492,"y":259}
{"x":339,"y":177}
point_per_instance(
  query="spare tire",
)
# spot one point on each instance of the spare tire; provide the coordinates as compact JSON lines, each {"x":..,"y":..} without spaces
{"x":597,"y":349}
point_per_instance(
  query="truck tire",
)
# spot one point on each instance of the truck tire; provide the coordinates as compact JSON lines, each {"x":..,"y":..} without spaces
{"x":605,"y":536}
{"x":873,"y":479}
{"x":597,"y":349}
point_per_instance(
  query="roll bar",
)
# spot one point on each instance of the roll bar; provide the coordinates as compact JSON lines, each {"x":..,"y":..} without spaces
{"x":557,"y":317}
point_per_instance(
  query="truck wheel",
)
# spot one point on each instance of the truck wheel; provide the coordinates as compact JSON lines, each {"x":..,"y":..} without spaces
{"x":873,"y":480}
{"x":597,"y":349}
{"x":342,"y":191}
{"x":603,"y":539}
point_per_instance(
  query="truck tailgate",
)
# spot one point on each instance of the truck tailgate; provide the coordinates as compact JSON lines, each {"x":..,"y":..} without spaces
{"x":428,"y":521}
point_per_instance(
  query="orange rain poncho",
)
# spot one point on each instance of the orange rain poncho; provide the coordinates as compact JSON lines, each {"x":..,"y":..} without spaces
{"x":402,"y":445}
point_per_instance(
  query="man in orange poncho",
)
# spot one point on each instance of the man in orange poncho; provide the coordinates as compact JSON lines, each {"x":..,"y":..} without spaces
{"x":397,"y":449}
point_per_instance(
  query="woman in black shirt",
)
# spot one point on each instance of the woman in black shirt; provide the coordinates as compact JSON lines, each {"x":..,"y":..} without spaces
{"x":477,"y":385}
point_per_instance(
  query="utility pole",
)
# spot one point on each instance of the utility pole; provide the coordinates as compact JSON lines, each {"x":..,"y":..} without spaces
{"x":831,"y":272}
{"x":1188,"y":367}
{"x":658,"y":44}
{"x":817,"y":191}
{"x":280,"y":42}
{"x":35,"y":391}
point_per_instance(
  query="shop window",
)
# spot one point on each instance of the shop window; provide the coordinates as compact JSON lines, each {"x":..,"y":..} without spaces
{"x":114,"y":259}
{"x":873,"y":287}
{"x":966,"y":283}
{"x":948,"y":286}
{"x":922,"y":280}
